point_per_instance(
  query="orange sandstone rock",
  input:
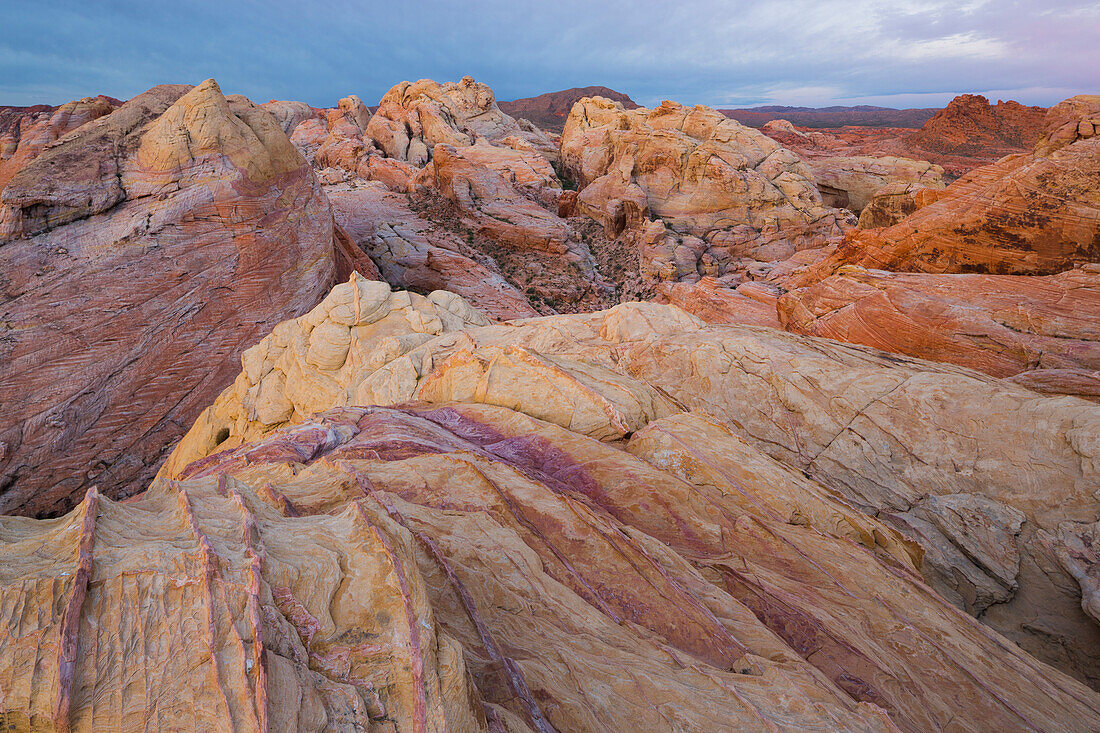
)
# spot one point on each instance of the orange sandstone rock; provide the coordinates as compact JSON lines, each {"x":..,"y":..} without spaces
{"x":1032,"y":214}
{"x":1003,"y":325}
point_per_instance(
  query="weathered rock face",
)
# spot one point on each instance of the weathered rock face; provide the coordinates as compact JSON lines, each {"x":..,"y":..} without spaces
{"x":1002,"y":325}
{"x":1031,"y":214}
{"x":581,"y":555}
{"x":853,"y":182}
{"x":414,"y":117}
{"x":25,"y":136}
{"x":893,"y":202}
{"x":491,"y":205}
{"x":749,"y":304}
{"x":1073,"y":119}
{"x":413,"y":253}
{"x":887,"y":432}
{"x":969,"y":125}
{"x":139,"y":255}
{"x":290,"y":114}
{"x":700,"y":172}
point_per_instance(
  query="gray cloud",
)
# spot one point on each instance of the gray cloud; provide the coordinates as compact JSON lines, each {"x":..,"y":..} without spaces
{"x":733,"y":52}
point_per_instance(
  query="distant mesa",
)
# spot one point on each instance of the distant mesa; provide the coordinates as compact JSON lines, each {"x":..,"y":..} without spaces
{"x":829,"y":117}
{"x":550,"y":110}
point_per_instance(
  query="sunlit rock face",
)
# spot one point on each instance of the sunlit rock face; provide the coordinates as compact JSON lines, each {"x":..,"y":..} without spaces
{"x":737,"y":192}
{"x":400,"y":517}
{"x":139,"y":255}
{"x":1027,"y":214}
{"x":1043,"y":329}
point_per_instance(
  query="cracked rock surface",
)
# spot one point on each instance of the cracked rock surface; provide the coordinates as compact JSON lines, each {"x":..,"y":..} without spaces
{"x":401,"y":517}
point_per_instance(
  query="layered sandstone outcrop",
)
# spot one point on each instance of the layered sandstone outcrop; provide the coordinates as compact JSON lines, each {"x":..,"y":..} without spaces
{"x":970,"y":126}
{"x":140,"y":254}
{"x":851,"y":180}
{"x":25,"y":136}
{"x":1003,"y":325}
{"x":411,"y":252}
{"x":414,"y":117}
{"x":702,"y":175}
{"x":893,"y":202}
{"x":1033,"y":214}
{"x":749,"y":304}
{"x":549,"y":537}
{"x":907,"y":440}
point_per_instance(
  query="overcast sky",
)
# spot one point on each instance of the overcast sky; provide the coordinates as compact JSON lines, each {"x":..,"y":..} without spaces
{"x":916,"y":53}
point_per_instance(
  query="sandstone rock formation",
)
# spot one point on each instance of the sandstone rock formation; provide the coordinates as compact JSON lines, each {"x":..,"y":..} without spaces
{"x":966,"y":134}
{"x":851,"y":181}
{"x":749,"y":304}
{"x":290,"y":114}
{"x":414,"y":117}
{"x":139,"y":255}
{"x":732,"y":189}
{"x":895,"y":201}
{"x":24,"y":136}
{"x":413,"y":253}
{"x":1033,"y":214}
{"x":551,"y":537}
{"x":1002,"y":325}
{"x":969,"y":125}
{"x":874,"y":428}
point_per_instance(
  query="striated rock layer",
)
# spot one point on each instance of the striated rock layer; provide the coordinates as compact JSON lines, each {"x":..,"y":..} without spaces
{"x":875,"y":428}
{"x":138,"y":256}
{"x":1044,"y":329}
{"x":553,"y":524}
